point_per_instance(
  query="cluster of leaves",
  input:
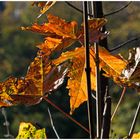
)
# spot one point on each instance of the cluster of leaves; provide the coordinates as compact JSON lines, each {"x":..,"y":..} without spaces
{"x":46,"y":74}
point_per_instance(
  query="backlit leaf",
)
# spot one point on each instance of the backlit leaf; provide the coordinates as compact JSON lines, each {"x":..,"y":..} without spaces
{"x":29,"y":131}
{"x":77,"y":80}
{"x":40,"y":79}
{"x":136,"y":136}
{"x":109,"y":63}
{"x":26,"y":90}
{"x":77,"y":76}
{"x":54,"y":44}
{"x":55,"y":26}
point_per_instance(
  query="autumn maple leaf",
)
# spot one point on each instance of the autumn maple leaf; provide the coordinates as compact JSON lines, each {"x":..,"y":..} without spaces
{"x":77,"y":81}
{"x":55,"y":27}
{"x":58,"y":33}
{"x":41,"y":78}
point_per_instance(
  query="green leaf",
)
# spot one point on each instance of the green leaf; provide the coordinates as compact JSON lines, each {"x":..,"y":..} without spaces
{"x":29,"y":131}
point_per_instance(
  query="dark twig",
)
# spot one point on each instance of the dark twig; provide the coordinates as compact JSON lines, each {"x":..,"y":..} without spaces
{"x":98,"y":86}
{"x":98,"y":93}
{"x":106,"y":116}
{"x":105,"y":15}
{"x":77,"y":9}
{"x":122,"y":95}
{"x":88,"y":70}
{"x":66,"y":115}
{"x":124,"y":43}
{"x":134,"y":121}
{"x":6,"y":124}
{"x":118,"y":10}
{"x":51,"y":120}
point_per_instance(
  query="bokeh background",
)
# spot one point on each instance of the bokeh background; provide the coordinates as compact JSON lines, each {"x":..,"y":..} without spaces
{"x":17,"y":51}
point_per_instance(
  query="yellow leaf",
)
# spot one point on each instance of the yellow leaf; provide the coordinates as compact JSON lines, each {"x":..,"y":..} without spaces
{"x":29,"y":131}
{"x":136,"y":136}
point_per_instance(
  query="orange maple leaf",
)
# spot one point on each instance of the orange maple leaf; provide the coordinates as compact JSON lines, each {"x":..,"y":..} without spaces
{"x":41,"y":78}
{"x":77,"y":80}
{"x":55,"y":44}
{"x":55,"y":26}
{"x":113,"y":65}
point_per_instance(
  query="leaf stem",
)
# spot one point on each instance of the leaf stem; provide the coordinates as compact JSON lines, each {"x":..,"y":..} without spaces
{"x":66,"y":115}
{"x":122,"y":95}
{"x":51,"y":120}
{"x":6,"y":124}
{"x":99,"y":114}
{"x":134,"y":121}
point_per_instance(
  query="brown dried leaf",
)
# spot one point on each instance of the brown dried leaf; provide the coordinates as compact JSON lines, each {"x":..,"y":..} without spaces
{"x":94,"y":30}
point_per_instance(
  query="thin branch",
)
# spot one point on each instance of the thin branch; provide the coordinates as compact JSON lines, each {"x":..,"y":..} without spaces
{"x":6,"y":124}
{"x":118,"y":10}
{"x":105,"y":15}
{"x":99,"y":114}
{"x":134,"y":121}
{"x":106,"y":118}
{"x":93,"y":96}
{"x":88,"y":69}
{"x":72,"y":6}
{"x":66,"y":115}
{"x":122,"y":95}
{"x":51,"y":120}
{"x":124,"y":43}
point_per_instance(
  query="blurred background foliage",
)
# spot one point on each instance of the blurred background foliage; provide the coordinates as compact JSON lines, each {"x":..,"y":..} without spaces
{"x":17,"y":51}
